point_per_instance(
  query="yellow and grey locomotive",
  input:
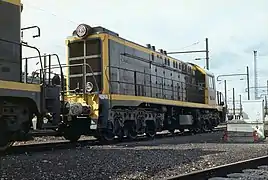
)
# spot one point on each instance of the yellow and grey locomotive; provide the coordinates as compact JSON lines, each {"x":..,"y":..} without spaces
{"x":135,"y":89}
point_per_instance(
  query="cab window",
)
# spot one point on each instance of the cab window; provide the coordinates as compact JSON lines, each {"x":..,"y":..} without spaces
{"x":211,"y":84}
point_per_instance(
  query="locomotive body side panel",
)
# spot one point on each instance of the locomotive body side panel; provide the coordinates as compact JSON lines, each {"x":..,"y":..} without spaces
{"x":142,"y":72}
{"x":32,"y":92}
{"x":10,"y":54}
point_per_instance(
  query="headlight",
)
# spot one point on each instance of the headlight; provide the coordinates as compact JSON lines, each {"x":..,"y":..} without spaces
{"x":89,"y":87}
{"x":82,"y":30}
{"x":76,"y":109}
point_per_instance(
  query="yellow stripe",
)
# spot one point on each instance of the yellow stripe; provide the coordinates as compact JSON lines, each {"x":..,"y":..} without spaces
{"x":200,"y":69}
{"x":75,"y":38}
{"x":16,"y":2}
{"x":160,"y":101}
{"x":105,"y":64}
{"x":19,"y":86}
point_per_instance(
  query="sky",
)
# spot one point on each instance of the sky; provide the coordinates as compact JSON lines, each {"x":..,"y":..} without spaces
{"x":234,"y":29}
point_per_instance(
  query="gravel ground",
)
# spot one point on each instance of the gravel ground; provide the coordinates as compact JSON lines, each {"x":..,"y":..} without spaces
{"x":155,"y":159}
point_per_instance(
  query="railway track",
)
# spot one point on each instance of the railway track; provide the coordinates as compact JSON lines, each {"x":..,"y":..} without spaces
{"x":256,"y":168}
{"x":47,"y":146}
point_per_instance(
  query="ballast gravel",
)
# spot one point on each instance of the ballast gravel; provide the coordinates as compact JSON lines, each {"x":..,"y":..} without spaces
{"x":152,"y":159}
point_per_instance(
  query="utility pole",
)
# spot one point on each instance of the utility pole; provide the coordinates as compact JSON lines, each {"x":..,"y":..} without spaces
{"x":225,"y":93}
{"x":248,"y":83}
{"x":255,"y":75}
{"x":234,"y":102}
{"x":207,"y":56}
{"x":240,"y":105}
{"x":267,"y":87}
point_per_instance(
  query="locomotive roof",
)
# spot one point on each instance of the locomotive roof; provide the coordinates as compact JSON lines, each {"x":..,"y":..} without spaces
{"x":16,"y":2}
{"x":101,"y":30}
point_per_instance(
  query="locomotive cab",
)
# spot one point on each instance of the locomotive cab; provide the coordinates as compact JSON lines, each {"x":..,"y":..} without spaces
{"x":85,"y":70}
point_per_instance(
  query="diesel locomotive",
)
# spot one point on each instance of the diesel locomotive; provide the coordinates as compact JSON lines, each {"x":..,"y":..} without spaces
{"x":114,"y":87}
{"x":132,"y":89}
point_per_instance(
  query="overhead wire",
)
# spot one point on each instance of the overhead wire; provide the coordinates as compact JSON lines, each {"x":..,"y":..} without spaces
{"x":189,"y":45}
{"x":49,"y":12}
{"x":29,"y":5}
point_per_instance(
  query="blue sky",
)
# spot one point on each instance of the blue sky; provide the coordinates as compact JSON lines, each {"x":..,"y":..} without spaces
{"x":234,"y":27}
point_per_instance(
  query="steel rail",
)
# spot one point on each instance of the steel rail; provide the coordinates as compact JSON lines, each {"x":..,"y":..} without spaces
{"x":64,"y":144}
{"x":223,"y":170}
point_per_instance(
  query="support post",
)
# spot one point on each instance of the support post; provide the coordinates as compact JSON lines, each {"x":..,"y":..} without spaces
{"x":234,"y":103}
{"x":225,"y":92}
{"x":49,"y":69}
{"x":248,"y":83}
{"x":25,"y":70}
{"x":267,"y":87}
{"x":207,"y":55}
{"x":45,"y":70}
{"x":240,"y":104}
{"x":266,"y":110}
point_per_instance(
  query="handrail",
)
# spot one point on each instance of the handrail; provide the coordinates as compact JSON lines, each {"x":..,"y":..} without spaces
{"x":156,"y":86}
{"x":59,"y":64}
{"x":26,"y":45}
{"x":164,"y":78}
{"x":73,"y":65}
{"x":31,"y":27}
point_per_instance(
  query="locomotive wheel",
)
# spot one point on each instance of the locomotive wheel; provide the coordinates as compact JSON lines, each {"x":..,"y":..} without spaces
{"x":171,"y":126}
{"x":119,"y":131}
{"x":5,"y":142}
{"x":71,"y":133}
{"x":71,"y":136}
{"x":107,"y":134}
{"x":4,"y":147}
{"x":205,"y":127}
{"x":150,"y":129}
{"x":210,"y":126}
{"x":197,"y":130}
{"x":26,"y":127}
{"x":5,"y":137}
{"x":198,"y":127}
{"x":130,"y":130}
{"x":192,"y":130}
{"x":120,"y":134}
{"x":150,"y":134}
{"x":171,"y":131}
